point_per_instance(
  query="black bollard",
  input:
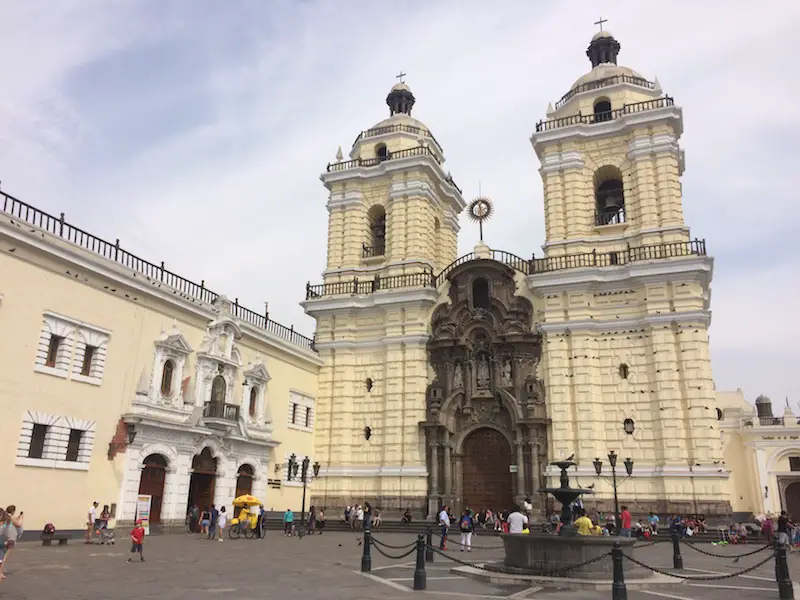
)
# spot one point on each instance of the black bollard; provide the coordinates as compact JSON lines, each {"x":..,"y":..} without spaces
{"x":618,"y":589}
{"x":677,"y":559}
{"x":420,"y":578}
{"x":785,"y":588}
{"x":366,"y":557}
{"x":429,"y":546}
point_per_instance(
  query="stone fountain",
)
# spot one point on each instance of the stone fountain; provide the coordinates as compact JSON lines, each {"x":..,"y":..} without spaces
{"x":566,"y":495}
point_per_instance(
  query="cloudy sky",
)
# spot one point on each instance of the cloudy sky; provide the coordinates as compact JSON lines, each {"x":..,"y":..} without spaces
{"x":195,"y":132}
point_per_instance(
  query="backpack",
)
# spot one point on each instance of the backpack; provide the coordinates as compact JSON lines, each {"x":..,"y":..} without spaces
{"x":465,"y":524}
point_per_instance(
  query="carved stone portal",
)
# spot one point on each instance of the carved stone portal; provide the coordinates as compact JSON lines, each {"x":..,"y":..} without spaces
{"x":484,"y":355}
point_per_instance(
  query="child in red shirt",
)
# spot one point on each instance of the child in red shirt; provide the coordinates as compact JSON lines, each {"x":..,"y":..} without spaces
{"x":137,"y":540}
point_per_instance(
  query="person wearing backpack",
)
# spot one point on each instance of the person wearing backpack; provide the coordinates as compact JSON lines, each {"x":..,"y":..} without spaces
{"x":467,"y":526}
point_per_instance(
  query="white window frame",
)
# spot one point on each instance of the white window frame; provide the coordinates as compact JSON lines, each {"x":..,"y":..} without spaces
{"x":304,"y":403}
{"x":87,"y":335}
{"x":55,"y":442}
{"x":69,"y":358}
{"x":63,"y":327}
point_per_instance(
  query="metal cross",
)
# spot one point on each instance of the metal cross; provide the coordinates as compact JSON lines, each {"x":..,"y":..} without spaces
{"x":600,"y":22}
{"x":400,"y":77}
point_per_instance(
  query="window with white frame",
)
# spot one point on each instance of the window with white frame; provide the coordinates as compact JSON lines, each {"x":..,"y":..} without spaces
{"x":55,"y":442}
{"x":54,"y":351}
{"x":301,"y":412}
{"x":90,"y":355}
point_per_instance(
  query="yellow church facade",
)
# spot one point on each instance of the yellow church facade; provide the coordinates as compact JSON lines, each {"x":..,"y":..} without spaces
{"x":127,"y":379}
{"x":456,"y":380}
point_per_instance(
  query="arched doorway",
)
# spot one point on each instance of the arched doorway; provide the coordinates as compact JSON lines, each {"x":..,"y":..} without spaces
{"x":203,"y":480}
{"x":486,"y":480}
{"x":244,"y":483}
{"x":151,"y":483}
{"x":793,"y":500}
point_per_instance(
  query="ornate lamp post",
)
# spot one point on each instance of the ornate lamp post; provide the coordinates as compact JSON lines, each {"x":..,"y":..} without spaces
{"x":294,"y":466}
{"x":612,"y":460}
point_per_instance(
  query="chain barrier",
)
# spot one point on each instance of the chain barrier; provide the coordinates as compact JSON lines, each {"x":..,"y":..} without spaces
{"x":699,"y":577}
{"x":733,"y":556}
{"x":552,"y":573}
{"x":409,"y":553}
{"x":377,"y":541}
{"x":452,"y":541}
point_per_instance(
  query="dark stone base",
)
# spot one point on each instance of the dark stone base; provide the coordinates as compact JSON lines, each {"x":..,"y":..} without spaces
{"x":545,"y":555}
{"x":663,"y":508}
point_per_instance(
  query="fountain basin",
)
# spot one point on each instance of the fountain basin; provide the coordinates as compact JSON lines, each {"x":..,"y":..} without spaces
{"x":544,"y":555}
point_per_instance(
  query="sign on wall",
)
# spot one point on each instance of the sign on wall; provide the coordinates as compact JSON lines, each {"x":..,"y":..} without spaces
{"x":143,"y":502}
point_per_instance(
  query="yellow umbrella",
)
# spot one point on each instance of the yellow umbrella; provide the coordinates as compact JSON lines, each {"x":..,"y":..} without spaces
{"x":246,"y":500}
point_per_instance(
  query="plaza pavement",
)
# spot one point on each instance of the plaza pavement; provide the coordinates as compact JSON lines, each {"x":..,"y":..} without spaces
{"x":185,"y":567}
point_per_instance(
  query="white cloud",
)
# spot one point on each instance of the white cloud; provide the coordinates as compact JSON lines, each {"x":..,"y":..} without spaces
{"x":233,"y":195}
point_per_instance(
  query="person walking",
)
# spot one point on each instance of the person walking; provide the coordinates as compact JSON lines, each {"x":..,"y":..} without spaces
{"x":222,"y":521}
{"x":312,"y":520}
{"x":288,"y":523}
{"x":444,"y":524}
{"x":625,"y":523}
{"x":212,"y":527}
{"x":321,"y":520}
{"x":137,"y":541}
{"x":467,"y":526}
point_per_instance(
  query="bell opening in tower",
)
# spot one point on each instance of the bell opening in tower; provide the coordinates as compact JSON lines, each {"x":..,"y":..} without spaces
{"x":609,"y":197}
{"x":602,"y":110}
{"x":377,"y":232}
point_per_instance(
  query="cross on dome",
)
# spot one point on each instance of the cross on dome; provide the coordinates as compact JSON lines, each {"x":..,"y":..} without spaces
{"x":600,"y":22}
{"x":400,"y":76}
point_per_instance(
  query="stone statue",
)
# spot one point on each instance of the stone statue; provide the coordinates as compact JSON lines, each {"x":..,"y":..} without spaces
{"x":458,"y":377}
{"x":483,"y":374}
{"x":506,"y":381}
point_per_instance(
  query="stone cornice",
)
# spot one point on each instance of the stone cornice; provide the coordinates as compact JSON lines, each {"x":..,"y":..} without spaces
{"x":690,"y":269}
{"x":559,"y":161}
{"x":373,"y":471}
{"x":40,"y":241}
{"x":701,"y":316}
{"x":347,"y":199}
{"x":639,"y":471}
{"x":448,"y":190}
{"x":387,"y":298}
{"x":614,"y":127}
{"x":628,"y":235}
{"x":382,"y":342}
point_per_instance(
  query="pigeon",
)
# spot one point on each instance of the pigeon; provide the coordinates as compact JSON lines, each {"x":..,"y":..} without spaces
{"x":591,"y":487}
{"x":570,"y":457}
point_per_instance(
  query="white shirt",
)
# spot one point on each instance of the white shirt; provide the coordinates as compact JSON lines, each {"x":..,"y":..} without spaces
{"x":528,"y":507}
{"x":444,"y":518}
{"x":222,"y":520}
{"x":516,"y":522}
{"x":92,"y":513}
{"x":360,"y":514}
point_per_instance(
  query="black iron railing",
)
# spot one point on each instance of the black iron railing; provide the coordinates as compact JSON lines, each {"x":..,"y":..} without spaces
{"x":22,"y":212}
{"x":372,"y":251}
{"x":609,"y":217}
{"x":530,"y":266}
{"x":371,"y":162}
{"x":218,"y":410}
{"x":606,"y":115}
{"x":601,"y":83}
{"x":376,"y":131}
{"x":773,"y":421}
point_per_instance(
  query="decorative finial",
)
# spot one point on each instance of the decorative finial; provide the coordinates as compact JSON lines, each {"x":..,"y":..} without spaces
{"x":339,"y":155}
{"x":400,"y":76}
{"x":656,"y":85}
{"x":600,"y":22}
{"x":480,"y":210}
{"x":549,"y":108}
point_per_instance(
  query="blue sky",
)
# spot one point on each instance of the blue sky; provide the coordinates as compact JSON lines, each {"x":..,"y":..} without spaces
{"x":195,"y":132}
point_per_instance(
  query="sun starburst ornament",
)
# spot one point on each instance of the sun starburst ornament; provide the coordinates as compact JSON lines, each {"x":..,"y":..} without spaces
{"x":480,"y":210}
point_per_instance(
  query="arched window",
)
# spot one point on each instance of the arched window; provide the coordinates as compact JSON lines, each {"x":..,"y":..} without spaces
{"x":251,"y":410}
{"x":218,"y":390}
{"x":381,"y":152}
{"x":602,"y":110}
{"x":480,"y":293}
{"x":377,"y":231}
{"x":609,"y":196}
{"x":166,"y":378}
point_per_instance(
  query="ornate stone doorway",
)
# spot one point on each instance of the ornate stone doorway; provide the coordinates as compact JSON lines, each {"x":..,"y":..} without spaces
{"x":792,"y":499}
{"x":485,"y":406}
{"x":486,"y":480}
{"x":203,"y":480}
{"x":151,"y":483}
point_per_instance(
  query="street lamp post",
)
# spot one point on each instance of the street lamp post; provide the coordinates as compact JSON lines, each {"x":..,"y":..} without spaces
{"x":612,"y":460}
{"x":294,"y":466}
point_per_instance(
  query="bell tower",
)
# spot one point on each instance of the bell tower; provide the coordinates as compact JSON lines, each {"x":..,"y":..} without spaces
{"x":393,"y":220}
{"x":625,"y":292}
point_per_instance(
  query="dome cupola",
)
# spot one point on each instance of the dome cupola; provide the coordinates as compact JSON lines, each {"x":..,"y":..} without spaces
{"x":400,"y":99}
{"x":603,"y":49}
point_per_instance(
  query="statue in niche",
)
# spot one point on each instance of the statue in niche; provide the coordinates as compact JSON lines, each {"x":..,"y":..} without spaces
{"x":483,"y":373}
{"x":458,"y":377}
{"x":506,"y":379}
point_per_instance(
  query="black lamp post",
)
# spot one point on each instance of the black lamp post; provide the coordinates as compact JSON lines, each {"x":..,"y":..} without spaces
{"x":612,"y":460}
{"x":294,"y":466}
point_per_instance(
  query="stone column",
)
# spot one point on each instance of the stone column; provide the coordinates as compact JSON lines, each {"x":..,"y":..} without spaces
{"x":520,"y":472}
{"x":448,"y":471}
{"x":434,"y":490}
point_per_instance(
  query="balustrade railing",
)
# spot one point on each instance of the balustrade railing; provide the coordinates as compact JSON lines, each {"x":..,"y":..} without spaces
{"x":218,"y":410}
{"x":605,"y":115}
{"x":371,"y":162}
{"x":20,"y":211}
{"x":609,"y":217}
{"x":372,"y":251}
{"x":601,"y":83}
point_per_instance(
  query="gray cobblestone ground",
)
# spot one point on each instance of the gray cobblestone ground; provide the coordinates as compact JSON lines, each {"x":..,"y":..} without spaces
{"x":185,"y":567}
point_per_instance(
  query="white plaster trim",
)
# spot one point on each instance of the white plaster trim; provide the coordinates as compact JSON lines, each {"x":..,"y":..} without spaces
{"x":400,"y":164}
{"x":51,"y":371}
{"x":558,"y":161}
{"x":77,"y":323}
{"x":690,"y":268}
{"x":645,"y":146}
{"x":409,"y":262}
{"x":403,"y":188}
{"x":76,"y":255}
{"x":302,"y":428}
{"x":378,"y":343}
{"x":451,"y":219}
{"x":379,"y":298}
{"x":47,"y":463}
{"x":702,"y":316}
{"x":350,"y":198}
{"x":85,"y":379}
{"x":618,"y":238}
{"x":374,"y":471}
{"x":666,"y":472}
{"x":614,"y":127}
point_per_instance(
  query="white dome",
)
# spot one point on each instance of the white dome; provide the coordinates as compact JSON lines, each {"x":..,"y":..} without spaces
{"x":603,"y":71}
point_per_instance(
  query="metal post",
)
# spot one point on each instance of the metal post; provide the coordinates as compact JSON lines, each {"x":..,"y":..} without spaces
{"x":617,"y":515}
{"x":302,"y":510}
{"x":429,"y":546}
{"x":366,"y":557}
{"x":785,"y":588}
{"x":420,"y":577}
{"x":677,"y":559}
{"x":618,"y":589}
